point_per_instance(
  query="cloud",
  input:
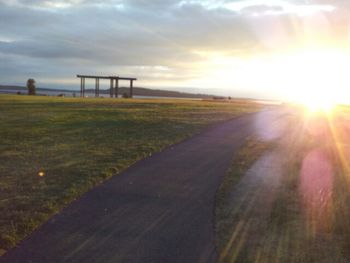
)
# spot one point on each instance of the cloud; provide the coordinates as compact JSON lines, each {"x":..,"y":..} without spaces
{"x":278,"y":7}
{"x":64,"y":37}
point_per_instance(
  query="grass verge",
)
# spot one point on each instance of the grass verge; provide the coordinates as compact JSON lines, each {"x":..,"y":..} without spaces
{"x":225,"y":215}
{"x":305,"y":217}
{"x":54,"y":149}
{"x":309,"y":221}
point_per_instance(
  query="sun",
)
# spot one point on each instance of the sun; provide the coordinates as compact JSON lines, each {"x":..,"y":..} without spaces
{"x":319,"y":105}
{"x":316,"y":78}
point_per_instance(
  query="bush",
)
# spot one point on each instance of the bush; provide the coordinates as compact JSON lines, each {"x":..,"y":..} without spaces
{"x":31,"y":86}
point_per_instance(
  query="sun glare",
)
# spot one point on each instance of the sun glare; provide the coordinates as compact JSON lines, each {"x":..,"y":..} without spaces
{"x":319,"y":105}
{"x":319,"y":76}
{"x":316,"y":77}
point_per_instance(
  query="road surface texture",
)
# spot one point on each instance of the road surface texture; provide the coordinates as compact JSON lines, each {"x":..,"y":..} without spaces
{"x":159,"y":210}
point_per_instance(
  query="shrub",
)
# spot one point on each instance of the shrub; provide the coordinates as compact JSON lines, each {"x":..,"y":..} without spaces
{"x":31,"y":86}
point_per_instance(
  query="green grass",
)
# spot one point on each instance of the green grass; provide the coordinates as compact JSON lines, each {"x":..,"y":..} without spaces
{"x":79,"y":143}
{"x":226,"y":217}
{"x":296,"y":229}
{"x":305,"y":235}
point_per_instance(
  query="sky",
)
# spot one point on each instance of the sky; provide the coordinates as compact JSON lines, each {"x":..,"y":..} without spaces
{"x":276,"y":49}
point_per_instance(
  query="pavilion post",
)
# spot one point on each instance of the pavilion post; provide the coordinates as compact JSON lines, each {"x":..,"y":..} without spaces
{"x":116,"y":87}
{"x":131,"y":88}
{"x":81,"y":87}
{"x":111,"y":88}
{"x":97,"y":87}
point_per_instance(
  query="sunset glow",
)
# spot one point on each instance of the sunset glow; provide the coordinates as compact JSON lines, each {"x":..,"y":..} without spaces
{"x":175,"y":131}
{"x":277,"y":49}
{"x":317,"y":77}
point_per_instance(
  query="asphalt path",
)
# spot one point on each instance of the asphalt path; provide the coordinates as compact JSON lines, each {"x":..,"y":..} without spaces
{"x":159,"y":210}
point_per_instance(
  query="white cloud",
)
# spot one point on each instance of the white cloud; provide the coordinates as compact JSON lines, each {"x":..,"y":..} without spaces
{"x":276,"y":7}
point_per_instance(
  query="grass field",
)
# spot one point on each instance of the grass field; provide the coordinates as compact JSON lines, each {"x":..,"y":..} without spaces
{"x":225,"y":216}
{"x":54,"y":149}
{"x":309,"y":217}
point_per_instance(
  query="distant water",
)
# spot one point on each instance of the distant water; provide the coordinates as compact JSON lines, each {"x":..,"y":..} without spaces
{"x":92,"y":95}
{"x":89,"y":94}
{"x":268,"y":102}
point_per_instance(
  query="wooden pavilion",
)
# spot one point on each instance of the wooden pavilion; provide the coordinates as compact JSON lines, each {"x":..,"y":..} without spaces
{"x":114,"y":84}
